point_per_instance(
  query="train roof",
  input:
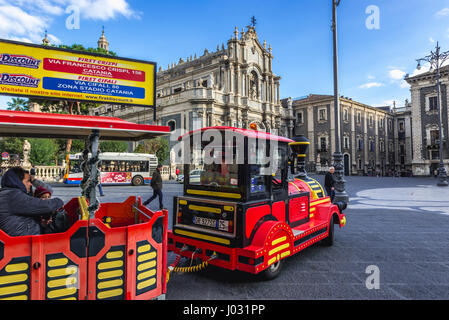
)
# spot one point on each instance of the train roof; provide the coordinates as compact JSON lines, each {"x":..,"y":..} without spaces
{"x":245,"y":132}
{"x":66,"y":126}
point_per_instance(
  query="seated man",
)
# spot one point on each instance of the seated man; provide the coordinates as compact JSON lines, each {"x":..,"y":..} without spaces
{"x":19,"y":212}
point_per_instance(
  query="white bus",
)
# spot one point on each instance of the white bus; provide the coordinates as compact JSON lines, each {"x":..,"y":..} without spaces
{"x":115,"y":168}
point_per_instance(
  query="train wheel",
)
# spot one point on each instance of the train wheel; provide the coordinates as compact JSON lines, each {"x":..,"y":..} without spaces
{"x":137,"y":181}
{"x":273,"y":271}
{"x":329,"y":240}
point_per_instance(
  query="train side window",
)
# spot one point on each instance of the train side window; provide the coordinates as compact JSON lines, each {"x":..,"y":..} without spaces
{"x":278,"y":167}
{"x":259,"y":177}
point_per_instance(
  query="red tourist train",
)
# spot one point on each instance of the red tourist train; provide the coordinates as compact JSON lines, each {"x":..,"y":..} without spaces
{"x":249,"y":214}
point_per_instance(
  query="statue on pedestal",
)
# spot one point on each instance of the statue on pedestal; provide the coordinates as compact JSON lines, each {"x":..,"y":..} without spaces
{"x":172,"y":164}
{"x":26,"y":164}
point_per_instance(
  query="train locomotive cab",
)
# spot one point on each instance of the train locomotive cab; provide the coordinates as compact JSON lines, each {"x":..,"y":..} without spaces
{"x":248,"y":202}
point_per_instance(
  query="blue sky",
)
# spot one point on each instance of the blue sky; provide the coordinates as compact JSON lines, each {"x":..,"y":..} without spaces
{"x":372,"y":63}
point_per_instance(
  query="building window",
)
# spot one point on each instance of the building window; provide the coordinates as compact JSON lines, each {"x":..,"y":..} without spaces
{"x":401,"y":126}
{"x":360,"y":144}
{"x":299,"y":117}
{"x":345,"y":115}
{"x":172,"y":125}
{"x":390,"y":125}
{"x":360,"y":164}
{"x":433,"y":105}
{"x":359,"y":117}
{"x":371,"y":146}
{"x":434,"y":137}
{"x":322,"y":114}
{"x":323,"y":144}
{"x":382,"y":146}
{"x":346,"y":142}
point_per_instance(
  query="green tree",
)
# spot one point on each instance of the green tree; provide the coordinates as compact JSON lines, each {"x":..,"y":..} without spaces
{"x":159,"y":146}
{"x":18,"y":104}
{"x":43,"y":151}
{"x":113,"y":146}
{"x":11,"y":145}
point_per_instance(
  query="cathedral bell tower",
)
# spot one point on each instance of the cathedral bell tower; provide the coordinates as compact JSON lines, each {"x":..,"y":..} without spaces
{"x":103,"y":42}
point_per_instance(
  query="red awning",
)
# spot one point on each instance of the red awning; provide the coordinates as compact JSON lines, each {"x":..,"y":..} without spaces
{"x":52,"y":125}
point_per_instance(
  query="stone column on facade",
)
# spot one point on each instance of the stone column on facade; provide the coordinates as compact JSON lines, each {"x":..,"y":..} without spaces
{"x":418,"y":161}
{"x":238,"y":85}
{"x":277,"y":93}
{"x":376,"y":141}
{"x":231,"y":79}
{"x":365,"y":140}
{"x":311,"y":134}
{"x":445,"y":125}
{"x":331,"y":121}
{"x":386,"y":143}
{"x":353,"y":115}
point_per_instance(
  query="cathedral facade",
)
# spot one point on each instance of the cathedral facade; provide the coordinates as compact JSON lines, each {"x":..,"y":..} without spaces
{"x":232,"y":86}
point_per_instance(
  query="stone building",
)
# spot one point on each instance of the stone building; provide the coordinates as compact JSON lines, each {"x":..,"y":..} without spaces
{"x":370,"y":138}
{"x":425,"y":129}
{"x":233,"y":86}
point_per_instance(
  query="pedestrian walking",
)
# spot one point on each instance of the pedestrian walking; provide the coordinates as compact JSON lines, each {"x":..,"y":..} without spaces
{"x":329,"y":182}
{"x":100,"y":189}
{"x":156,"y":184}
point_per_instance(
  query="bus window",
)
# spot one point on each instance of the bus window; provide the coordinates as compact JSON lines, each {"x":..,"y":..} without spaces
{"x":143,"y":166}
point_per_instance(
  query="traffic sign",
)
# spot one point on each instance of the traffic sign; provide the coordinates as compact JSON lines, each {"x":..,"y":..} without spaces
{"x":5,"y":156}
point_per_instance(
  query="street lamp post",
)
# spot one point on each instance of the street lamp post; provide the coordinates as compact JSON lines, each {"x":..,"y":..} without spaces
{"x":340,"y":193}
{"x":436,"y":60}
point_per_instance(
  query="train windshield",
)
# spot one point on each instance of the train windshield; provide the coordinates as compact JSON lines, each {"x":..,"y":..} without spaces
{"x":214,"y":165}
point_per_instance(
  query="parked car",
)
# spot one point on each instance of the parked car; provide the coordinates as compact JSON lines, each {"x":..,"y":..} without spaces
{"x":180,"y":178}
{"x":195,"y":176}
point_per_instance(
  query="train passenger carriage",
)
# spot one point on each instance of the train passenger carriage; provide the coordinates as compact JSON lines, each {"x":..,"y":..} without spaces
{"x":111,"y":250}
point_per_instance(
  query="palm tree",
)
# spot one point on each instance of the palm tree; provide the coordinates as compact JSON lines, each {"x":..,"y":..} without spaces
{"x":18,"y":104}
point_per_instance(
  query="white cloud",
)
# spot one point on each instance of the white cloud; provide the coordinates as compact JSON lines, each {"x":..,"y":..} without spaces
{"x":18,"y":24}
{"x":432,"y":40}
{"x":397,"y":74}
{"x":370,"y":85}
{"x":404,"y":85}
{"x":104,"y":9}
{"x":443,"y":12}
{"x":27,"y":20}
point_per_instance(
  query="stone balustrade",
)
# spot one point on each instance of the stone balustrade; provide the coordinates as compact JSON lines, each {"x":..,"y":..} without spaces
{"x":49,"y":173}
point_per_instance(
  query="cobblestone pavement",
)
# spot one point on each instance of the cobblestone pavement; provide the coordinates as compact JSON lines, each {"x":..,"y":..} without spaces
{"x":398,"y":225}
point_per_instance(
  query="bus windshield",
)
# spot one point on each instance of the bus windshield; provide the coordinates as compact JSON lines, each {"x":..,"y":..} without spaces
{"x":74,"y":166}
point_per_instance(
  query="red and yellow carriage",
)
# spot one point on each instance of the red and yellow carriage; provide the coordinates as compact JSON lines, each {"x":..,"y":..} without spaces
{"x":248,"y":203}
{"x":111,"y":251}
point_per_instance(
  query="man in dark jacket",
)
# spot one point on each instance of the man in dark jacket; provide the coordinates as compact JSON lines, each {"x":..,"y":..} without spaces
{"x":20,"y":212}
{"x":156,"y":184}
{"x":329,"y":182}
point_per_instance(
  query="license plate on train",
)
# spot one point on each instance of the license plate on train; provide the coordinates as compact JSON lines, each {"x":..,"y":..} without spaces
{"x":211,"y":223}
